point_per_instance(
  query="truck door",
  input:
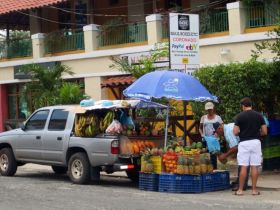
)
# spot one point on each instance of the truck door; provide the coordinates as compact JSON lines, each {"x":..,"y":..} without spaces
{"x":56,"y":137}
{"x":29,"y":143}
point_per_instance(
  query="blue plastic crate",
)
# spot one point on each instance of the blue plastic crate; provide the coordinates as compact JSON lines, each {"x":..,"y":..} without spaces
{"x":208,"y":182}
{"x":175,"y":183}
{"x":274,"y":127}
{"x":148,"y":181}
{"x":215,"y":181}
{"x":222,"y":180}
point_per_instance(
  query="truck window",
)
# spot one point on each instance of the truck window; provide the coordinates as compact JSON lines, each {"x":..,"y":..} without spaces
{"x":58,"y":120}
{"x":37,"y":121}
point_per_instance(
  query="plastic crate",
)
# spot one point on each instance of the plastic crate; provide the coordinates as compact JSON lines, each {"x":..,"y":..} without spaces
{"x":174,"y":183}
{"x":148,"y":181}
{"x":222,"y":180}
{"x":219,"y":180}
{"x":274,"y":127}
{"x":208,"y":182}
{"x":157,"y":163}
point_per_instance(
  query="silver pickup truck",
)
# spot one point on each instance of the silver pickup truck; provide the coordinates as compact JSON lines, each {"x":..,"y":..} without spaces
{"x":47,"y":138}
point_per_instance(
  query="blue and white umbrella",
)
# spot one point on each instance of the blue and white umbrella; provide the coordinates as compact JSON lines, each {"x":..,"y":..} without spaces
{"x":169,"y":84}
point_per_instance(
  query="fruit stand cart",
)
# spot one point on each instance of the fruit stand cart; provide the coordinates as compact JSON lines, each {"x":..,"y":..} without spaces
{"x":183,"y":169}
{"x":121,"y":118}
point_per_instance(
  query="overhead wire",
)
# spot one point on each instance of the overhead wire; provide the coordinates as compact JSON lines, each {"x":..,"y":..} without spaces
{"x":111,"y":15}
{"x":112,"y":7}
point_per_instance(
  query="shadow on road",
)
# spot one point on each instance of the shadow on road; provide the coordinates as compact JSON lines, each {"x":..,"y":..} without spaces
{"x":105,"y":180}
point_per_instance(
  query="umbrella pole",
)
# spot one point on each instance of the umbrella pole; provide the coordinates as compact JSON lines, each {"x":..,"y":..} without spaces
{"x":185,"y":122}
{"x":166,"y":127}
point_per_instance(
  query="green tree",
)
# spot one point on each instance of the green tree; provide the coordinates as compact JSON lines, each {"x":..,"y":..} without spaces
{"x":230,"y":83}
{"x":47,"y":86}
{"x":70,"y":93}
{"x":272,"y":45}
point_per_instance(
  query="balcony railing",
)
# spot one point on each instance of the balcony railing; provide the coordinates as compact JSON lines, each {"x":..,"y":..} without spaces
{"x":122,"y":34}
{"x":214,"y":22}
{"x":165,"y":31}
{"x":210,"y":22}
{"x":265,"y":15}
{"x":64,"y":41}
{"x":16,"y":48}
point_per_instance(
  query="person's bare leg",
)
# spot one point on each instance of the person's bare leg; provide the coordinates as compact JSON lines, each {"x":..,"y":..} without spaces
{"x":242,"y":177}
{"x":254,"y":176}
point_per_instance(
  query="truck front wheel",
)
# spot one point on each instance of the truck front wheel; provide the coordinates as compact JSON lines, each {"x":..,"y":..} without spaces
{"x":79,"y":168}
{"x":8,"y":164}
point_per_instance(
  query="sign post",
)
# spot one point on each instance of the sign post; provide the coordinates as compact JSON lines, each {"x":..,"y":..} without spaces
{"x":184,"y":42}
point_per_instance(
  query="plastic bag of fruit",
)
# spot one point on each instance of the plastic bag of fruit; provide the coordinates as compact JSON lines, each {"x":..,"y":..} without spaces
{"x":114,"y":128}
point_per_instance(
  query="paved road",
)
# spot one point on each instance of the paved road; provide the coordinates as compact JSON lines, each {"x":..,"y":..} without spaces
{"x":38,"y":188}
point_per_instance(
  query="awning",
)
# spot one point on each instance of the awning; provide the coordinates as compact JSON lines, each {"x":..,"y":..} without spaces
{"x":118,"y":81}
{"x":7,"y":6}
{"x":116,"y":104}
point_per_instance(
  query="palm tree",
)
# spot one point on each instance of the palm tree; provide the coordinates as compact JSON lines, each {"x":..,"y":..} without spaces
{"x":47,"y":83}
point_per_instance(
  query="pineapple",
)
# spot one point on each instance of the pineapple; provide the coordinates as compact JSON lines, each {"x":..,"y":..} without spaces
{"x":181,"y":160}
{"x":197,"y":168}
{"x":186,"y":169}
{"x":143,"y":166}
{"x":203,"y":166}
{"x":209,"y":166}
{"x":149,"y":167}
{"x":180,"y":166}
{"x":145,"y":162}
{"x":180,"y":169}
{"x":191,"y":166}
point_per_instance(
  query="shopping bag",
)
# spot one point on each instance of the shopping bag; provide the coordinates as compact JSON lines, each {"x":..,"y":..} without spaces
{"x":213,"y":144}
{"x":126,"y":120}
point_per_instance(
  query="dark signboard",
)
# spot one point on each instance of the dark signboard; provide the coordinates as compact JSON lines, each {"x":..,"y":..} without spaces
{"x":20,"y":73}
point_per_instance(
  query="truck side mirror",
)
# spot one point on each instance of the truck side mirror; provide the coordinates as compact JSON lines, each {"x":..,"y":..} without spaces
{"x":22,"y":126}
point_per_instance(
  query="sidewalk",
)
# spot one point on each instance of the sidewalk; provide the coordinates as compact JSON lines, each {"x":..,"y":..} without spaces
{"x":268,"y":180}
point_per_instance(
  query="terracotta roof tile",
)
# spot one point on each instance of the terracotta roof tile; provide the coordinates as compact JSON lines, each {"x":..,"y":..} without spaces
{"x":116,"y":81}
{"x":7,"y":6}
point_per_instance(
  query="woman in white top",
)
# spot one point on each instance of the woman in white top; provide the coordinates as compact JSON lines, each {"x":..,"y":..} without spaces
{"x":206,"y":126}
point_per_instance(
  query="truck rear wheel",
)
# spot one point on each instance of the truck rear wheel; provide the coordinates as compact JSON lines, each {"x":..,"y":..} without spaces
{"x":8,"y":164}
{"x":59,"y":169}
{"x":79,"y":168}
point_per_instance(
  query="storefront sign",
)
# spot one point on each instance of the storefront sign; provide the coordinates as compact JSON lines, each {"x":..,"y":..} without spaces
{"x":20,"y":73}
{"x":184,"y":42}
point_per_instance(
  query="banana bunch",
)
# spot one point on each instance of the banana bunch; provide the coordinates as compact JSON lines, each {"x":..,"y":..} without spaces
{"x":89,"y":131}
{"x":92,"y":126}
{"x":80,"y":123}
{"x":86,"y":126}
{"x":106,"y":121}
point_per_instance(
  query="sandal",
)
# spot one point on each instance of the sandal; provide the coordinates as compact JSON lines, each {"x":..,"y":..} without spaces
{"x":238,"y":193}
{"x":256,"y":193}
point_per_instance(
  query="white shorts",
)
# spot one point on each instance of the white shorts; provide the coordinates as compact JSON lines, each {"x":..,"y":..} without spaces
{"x":249,"y":153}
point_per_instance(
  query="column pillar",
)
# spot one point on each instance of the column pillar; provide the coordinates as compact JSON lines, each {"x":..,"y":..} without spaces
{"x":38,"y":45}
{"x":236,"y":18}
{"x":154,"y":28}
{"x":93,"y":88}
{"x":91,"y":33}
{"x":3,"y":107}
